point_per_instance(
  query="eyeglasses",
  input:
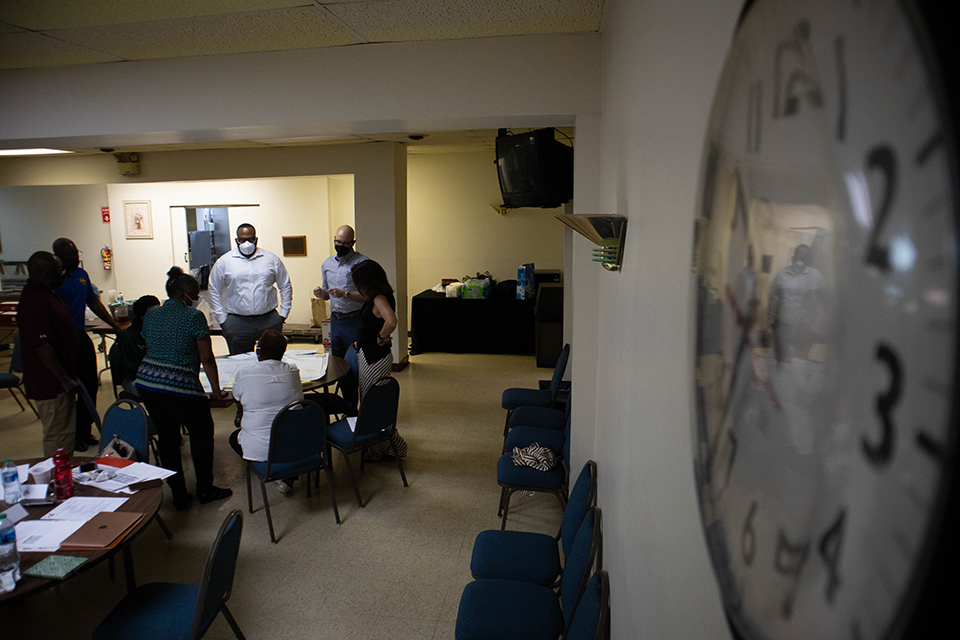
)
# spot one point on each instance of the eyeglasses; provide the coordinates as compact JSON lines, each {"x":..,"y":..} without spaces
{"x":253,"y":240}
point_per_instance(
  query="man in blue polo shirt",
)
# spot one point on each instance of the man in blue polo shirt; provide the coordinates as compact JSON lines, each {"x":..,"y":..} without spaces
{"x":78,"y":293}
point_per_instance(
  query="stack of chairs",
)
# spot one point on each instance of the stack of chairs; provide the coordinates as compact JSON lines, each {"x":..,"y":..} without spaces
{"x":494,"y":608}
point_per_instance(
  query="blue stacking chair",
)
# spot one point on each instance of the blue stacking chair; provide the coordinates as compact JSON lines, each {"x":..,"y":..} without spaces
{"x":11,"y":380}
{"x":540,"y":417}
{"x":298,"y":444}
{"x":535,"y":557}
{"x":167,"y":611}
{"x":591,"y":618}
{"x":522,"y":437}
{"x":376,"y":422}
{"x":508,"y":609}
{"x":516,"y":397}
{"x":512,"y":478}
{"x":127,"y":420}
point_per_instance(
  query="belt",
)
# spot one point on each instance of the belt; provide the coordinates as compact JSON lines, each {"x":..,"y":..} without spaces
{"x":259,"y":315}
{"x":343,"y":316}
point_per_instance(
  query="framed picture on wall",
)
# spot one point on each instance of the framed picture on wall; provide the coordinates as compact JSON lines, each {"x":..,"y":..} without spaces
{"x":138,"y":219}
{"x":294,"y":245}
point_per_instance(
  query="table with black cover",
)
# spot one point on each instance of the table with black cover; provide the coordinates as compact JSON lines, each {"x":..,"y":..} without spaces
{"x":457,"y":325}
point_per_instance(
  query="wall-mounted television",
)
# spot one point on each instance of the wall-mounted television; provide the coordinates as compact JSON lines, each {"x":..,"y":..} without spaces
{"x":535,"y":169}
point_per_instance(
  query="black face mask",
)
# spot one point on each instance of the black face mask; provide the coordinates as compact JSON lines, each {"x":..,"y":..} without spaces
{"x":342,"y":250}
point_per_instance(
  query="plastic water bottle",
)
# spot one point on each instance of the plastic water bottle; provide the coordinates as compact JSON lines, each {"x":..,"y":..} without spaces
{"x":9,"y":556}
{"x":62,"y":475}
{"x":11,"y":483}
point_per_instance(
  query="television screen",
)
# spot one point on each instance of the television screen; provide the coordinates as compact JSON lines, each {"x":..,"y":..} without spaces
{"x":535,"y":169}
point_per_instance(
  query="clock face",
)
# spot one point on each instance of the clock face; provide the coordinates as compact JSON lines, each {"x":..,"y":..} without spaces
{"x":826,"y":264}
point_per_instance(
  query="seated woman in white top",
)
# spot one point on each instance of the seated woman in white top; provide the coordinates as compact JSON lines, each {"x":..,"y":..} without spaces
{"x":263,"y":389}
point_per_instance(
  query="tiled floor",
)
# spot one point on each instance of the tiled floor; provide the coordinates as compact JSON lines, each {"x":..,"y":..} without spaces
{"x":394,"y":569}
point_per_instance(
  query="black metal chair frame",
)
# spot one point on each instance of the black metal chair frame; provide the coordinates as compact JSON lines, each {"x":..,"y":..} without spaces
{"x":370,"y":405}
{"x":308,"y":405}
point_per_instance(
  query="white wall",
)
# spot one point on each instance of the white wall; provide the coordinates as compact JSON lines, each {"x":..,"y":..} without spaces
{"x":661,"y":62}
{"x":291,"y":206}
{"x":453,"y":232}
{"x":31,"y":218}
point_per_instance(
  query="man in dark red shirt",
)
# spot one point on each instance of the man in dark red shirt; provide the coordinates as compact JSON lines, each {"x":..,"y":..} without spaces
{"x":48,"y":340}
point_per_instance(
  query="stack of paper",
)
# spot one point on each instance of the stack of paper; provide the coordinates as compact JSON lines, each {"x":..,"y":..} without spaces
{"x":312,"y":365}
{"x":119,"y":478}
{"x":47,"y":533}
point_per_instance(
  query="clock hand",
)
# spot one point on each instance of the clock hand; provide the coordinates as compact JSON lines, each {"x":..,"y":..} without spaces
{"x":745,"y":322}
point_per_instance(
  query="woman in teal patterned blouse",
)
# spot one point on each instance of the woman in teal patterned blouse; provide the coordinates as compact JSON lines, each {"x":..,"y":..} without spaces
{"x":168,"y":380}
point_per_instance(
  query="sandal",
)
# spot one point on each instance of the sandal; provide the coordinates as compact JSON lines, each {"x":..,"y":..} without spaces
{"x":215,"y":493}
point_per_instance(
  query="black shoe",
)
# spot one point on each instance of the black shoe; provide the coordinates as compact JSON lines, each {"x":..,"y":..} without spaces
{"x":182,"y":502}
{"x":214,"y":493}
{"x":79,"y":445}
{"x":92,"y":440}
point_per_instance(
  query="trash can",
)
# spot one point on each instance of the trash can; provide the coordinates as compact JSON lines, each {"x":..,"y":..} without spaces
{"x":548,"y":319}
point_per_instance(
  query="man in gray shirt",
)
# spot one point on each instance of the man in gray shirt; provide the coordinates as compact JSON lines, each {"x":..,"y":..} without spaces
{"x":338,"y":288}
{"x":795,"y":306}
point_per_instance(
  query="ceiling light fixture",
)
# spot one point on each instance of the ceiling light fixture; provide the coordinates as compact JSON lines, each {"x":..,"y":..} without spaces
{"x":32,"y":152}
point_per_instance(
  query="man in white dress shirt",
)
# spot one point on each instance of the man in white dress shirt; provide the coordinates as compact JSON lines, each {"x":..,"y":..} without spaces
{"x":243,"y":292}
{"x":263,"y":389}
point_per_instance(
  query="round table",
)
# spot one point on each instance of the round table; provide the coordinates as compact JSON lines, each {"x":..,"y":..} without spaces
{"x":337,"y":368}
{"x":145,"y":501}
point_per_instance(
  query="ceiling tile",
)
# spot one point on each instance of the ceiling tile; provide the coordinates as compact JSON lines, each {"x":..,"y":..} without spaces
{"x":300,"y":28}
{"x":403,"y":20}
{"x":44,"y":15}
{"x":26,"y":50}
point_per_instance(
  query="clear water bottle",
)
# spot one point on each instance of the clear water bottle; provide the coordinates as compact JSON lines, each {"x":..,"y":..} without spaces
{"x":11,"y":483}
{"x":9,"y":556}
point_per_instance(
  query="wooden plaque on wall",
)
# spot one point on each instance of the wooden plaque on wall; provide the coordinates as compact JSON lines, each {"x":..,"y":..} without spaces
{"x":294,"y":245}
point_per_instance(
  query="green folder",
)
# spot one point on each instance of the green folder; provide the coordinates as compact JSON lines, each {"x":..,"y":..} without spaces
{"x":55,"y":567}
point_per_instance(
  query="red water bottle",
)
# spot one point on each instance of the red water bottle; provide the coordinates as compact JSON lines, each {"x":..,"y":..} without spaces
{"x":62,"y":475}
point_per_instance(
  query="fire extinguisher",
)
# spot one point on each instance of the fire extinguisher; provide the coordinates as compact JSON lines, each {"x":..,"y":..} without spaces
{"x":107,"y":256}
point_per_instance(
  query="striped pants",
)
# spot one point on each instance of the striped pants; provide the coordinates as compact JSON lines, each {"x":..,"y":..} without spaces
{"x":369,"y":374}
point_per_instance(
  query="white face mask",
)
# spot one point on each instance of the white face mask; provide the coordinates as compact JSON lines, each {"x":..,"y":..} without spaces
{"x":247,"y":248}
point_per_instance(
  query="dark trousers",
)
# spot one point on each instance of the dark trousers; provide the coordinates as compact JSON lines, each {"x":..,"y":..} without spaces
{"x":242,"y":332}
{"x":169,"y":412}
{"x":344,"y":333}
{"x":87,"y":375}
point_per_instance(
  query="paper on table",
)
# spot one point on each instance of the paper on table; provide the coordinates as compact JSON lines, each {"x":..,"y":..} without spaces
{"x":136,"y":472}
{"x":44,"y":535}
{"x":34,"y":491}
{"x":312,"y":367}
{"x":82,"y":508}
{"x":16,"y":513}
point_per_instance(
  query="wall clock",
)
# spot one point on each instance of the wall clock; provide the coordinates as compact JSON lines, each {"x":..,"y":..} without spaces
{"x":826,"y":258}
